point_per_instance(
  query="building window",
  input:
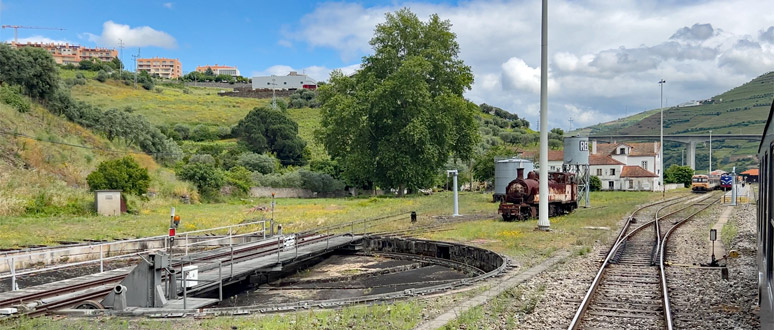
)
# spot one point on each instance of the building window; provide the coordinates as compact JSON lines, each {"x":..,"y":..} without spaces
{"x":631,"y":184}
{"x":645,"y":164}
{"x":622,"y":151}
{"x":611,"y":185}
{"x":612,"y":171}
{"x":599,"y":172}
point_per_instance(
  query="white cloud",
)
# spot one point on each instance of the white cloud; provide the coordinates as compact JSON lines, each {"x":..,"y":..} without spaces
{"x":285,"y":43}
{"x":605,"y":58}
{"x":168,"y":5}
{"x":142,"y":36}
{"x":318,"y":73}
{"x":40,"y":39}
{"x":518,"y":75}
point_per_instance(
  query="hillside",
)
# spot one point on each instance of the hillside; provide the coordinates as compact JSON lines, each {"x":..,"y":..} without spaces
{"x":44,"y":161}
{"x":743,"y":109}
{"x":172,"y":104}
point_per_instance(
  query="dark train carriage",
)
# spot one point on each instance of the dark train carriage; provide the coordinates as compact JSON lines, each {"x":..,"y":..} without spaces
{"x":522,"y":196}
{"x":765,"y":255}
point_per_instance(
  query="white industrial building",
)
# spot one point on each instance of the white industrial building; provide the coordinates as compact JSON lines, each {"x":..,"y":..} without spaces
{"x":293,"y":80}
{"x":620,"y":166}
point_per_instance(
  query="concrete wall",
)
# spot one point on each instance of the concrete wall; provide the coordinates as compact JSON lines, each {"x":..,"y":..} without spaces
{"x":293,"y":193}
{"x":218,"y":84}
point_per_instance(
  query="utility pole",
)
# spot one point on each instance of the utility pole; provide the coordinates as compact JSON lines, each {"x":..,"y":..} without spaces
{"x":273,"y":95}
{"x":543,"y":222}
{"x":136,"y":57}
{"x":661,"y":156}
{"x":710,"y":154}
{"x":120,"y":57}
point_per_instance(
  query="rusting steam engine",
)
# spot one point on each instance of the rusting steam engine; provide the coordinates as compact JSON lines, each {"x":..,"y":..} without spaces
{"x":522,"y":196}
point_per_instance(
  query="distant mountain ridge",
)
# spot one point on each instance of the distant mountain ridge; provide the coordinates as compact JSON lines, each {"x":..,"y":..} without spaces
{"x":742,"y":109}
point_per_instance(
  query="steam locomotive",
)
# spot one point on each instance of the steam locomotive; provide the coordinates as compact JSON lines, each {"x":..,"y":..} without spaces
{"x":521,"y":200}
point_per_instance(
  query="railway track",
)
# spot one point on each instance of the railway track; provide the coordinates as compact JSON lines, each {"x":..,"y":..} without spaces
{"x":630,"y":289}
{"x":86,"y":294}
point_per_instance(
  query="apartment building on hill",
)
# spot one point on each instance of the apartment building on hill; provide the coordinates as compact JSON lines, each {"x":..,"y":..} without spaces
{"x":168,"y":68}
{"x":72,"y":54}
{"x":219,"y":69}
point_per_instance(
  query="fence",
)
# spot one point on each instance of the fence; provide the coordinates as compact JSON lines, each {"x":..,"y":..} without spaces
{"x":100,"y":252}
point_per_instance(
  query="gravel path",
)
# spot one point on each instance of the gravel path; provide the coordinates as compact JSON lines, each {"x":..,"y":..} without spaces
{"x":700,"y":298}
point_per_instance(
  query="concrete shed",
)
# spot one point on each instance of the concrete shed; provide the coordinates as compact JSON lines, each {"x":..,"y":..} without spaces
{"x":109,"y":202}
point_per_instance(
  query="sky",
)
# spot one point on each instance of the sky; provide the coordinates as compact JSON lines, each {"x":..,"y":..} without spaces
{"x":605,"y":58}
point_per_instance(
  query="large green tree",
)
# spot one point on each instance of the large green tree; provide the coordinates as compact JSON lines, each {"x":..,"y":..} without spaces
{"x":398,"y":120}
{"x":678,"y":174}
{"x":32,"y":68}
{"x":268,"y":130}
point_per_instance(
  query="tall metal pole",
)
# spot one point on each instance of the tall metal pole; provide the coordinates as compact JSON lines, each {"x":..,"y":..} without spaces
{"x":710,"y":155}
{"x":543,"y":222}
{"x":661,"y":143}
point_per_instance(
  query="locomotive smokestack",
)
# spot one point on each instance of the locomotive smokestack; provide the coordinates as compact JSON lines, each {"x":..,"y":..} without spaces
{"x":520,"y":173}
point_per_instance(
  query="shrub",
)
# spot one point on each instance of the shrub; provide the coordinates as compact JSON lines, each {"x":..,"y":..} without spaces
{"x":102,"y":76}
{"x":207,"y":178}
{"x":202,"y":133}
{"x":11,"y":95}
{"x":123,"y":174}
{"x":316,"y":182}
{"x":183,"y":130}
{"x":240,"y":178}
{"x":202,"y":158}
{"x":260,"y":163}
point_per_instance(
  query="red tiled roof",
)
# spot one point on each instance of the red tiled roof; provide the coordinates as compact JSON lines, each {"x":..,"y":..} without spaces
{"x":553,"y":155}
{"x":603,"y":160}
{"x":633,"y":171}
{"x":637,"y":148}
{"x":752,"y":171}
{"x":644,"y":149}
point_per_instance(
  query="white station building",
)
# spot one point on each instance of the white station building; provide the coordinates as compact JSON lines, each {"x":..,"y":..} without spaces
{"x":620,"y":166}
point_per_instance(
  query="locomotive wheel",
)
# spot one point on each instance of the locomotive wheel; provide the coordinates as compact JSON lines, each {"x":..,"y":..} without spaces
{"x":89,"y":304}
{"x":507,"y":217}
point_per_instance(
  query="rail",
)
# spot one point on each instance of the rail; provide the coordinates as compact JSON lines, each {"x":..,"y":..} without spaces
{"x":622,"y":236}
{"x":101,"y":258}
{"x":664,"y":288}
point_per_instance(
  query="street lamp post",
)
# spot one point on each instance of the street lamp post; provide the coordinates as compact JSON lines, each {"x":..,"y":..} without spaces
{"x":661,"y":171}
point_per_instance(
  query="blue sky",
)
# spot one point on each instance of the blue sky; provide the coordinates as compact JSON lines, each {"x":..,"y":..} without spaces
{"x":605,"y":57}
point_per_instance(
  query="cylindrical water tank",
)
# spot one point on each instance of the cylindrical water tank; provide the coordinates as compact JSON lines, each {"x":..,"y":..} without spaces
{"x":506,"y":170}
{"x":576,"y":150}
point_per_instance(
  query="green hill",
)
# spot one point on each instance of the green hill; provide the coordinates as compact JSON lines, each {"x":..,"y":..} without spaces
{"x":743,"y":109}
{"x":44,"y":161}
{"x":171,"y":104}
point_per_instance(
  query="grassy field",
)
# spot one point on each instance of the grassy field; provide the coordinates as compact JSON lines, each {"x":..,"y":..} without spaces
{"x":169,"y":105}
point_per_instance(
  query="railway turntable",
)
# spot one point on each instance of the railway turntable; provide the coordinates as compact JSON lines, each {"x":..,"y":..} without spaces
{"x":160,"y":284}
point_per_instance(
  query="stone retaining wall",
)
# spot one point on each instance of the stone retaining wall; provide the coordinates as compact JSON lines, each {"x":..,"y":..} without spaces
{"x":257,"y":93}
{"x":293,"y":193}
{"x":218,"y":84}
{"x":470,"y":255}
